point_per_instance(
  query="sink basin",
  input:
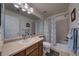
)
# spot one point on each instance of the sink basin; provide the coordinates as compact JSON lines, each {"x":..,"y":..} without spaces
{"x":26,"y":41}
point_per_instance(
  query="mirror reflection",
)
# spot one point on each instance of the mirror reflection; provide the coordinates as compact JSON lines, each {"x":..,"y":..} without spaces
{"x":19,"y":23}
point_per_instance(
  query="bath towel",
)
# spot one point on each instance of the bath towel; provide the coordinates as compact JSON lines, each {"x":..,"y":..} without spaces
{"x":72,"y":39}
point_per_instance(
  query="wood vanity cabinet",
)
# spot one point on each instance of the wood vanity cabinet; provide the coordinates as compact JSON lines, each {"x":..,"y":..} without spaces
{"x":34,"y":50}
{"x":40,"y":48}
{"x":22,"y":53}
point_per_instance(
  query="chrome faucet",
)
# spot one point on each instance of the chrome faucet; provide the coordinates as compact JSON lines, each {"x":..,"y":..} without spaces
{"x":23,"y":36}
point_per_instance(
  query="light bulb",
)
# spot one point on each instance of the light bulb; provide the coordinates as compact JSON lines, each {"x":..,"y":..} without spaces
{"x":31,"y":9}
{"x":28,"y":12}
{"x":23,"y":9}
{"x":16,"y":5}
{"x":26,"y":6}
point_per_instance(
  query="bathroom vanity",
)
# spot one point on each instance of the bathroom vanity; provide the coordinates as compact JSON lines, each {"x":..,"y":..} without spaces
{"x":34,"y":50}
{"x":30,"y":47}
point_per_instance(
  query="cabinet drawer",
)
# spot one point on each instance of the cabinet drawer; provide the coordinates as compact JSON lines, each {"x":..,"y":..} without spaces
{"x":31,"y":49}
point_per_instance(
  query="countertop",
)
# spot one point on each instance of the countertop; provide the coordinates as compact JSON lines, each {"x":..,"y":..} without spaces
{"x":14,"y":47}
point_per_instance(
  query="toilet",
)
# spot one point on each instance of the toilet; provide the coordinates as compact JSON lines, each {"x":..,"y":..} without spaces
{"x":46,"y":47}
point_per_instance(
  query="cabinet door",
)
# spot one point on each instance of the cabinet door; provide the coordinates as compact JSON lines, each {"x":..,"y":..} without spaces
{"x":31,"y":49}
{"x":34,"y":53}
{"x":40,"y":51}
{"x":22,"y":53}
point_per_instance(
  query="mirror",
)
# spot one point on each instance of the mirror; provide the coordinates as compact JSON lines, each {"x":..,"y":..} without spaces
{"x":18,"y":22}
{"x":1,"y":17}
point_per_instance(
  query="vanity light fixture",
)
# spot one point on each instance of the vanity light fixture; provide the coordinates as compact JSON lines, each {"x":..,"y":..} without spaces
{"x":24,"y":7}
{"x":16,"y":5}
{"x":31,"y":9}
{"x":29,"y":12}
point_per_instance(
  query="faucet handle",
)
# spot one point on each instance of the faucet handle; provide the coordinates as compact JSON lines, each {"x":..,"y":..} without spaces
{"x":23,"y":36}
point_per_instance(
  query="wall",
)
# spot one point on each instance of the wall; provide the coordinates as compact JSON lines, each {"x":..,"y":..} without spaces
{"x":15,"y":24}
{"x":74,"y":24}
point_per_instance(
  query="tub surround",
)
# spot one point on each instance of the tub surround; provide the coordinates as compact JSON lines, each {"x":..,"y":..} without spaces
{"x":12,"y":48}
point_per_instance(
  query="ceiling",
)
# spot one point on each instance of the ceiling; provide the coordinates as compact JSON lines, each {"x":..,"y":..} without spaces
{"x":10,"y":7}
{"x":48,"y":9}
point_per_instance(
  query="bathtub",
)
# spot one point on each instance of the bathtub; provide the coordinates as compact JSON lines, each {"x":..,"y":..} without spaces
{"x":62,"y":49}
